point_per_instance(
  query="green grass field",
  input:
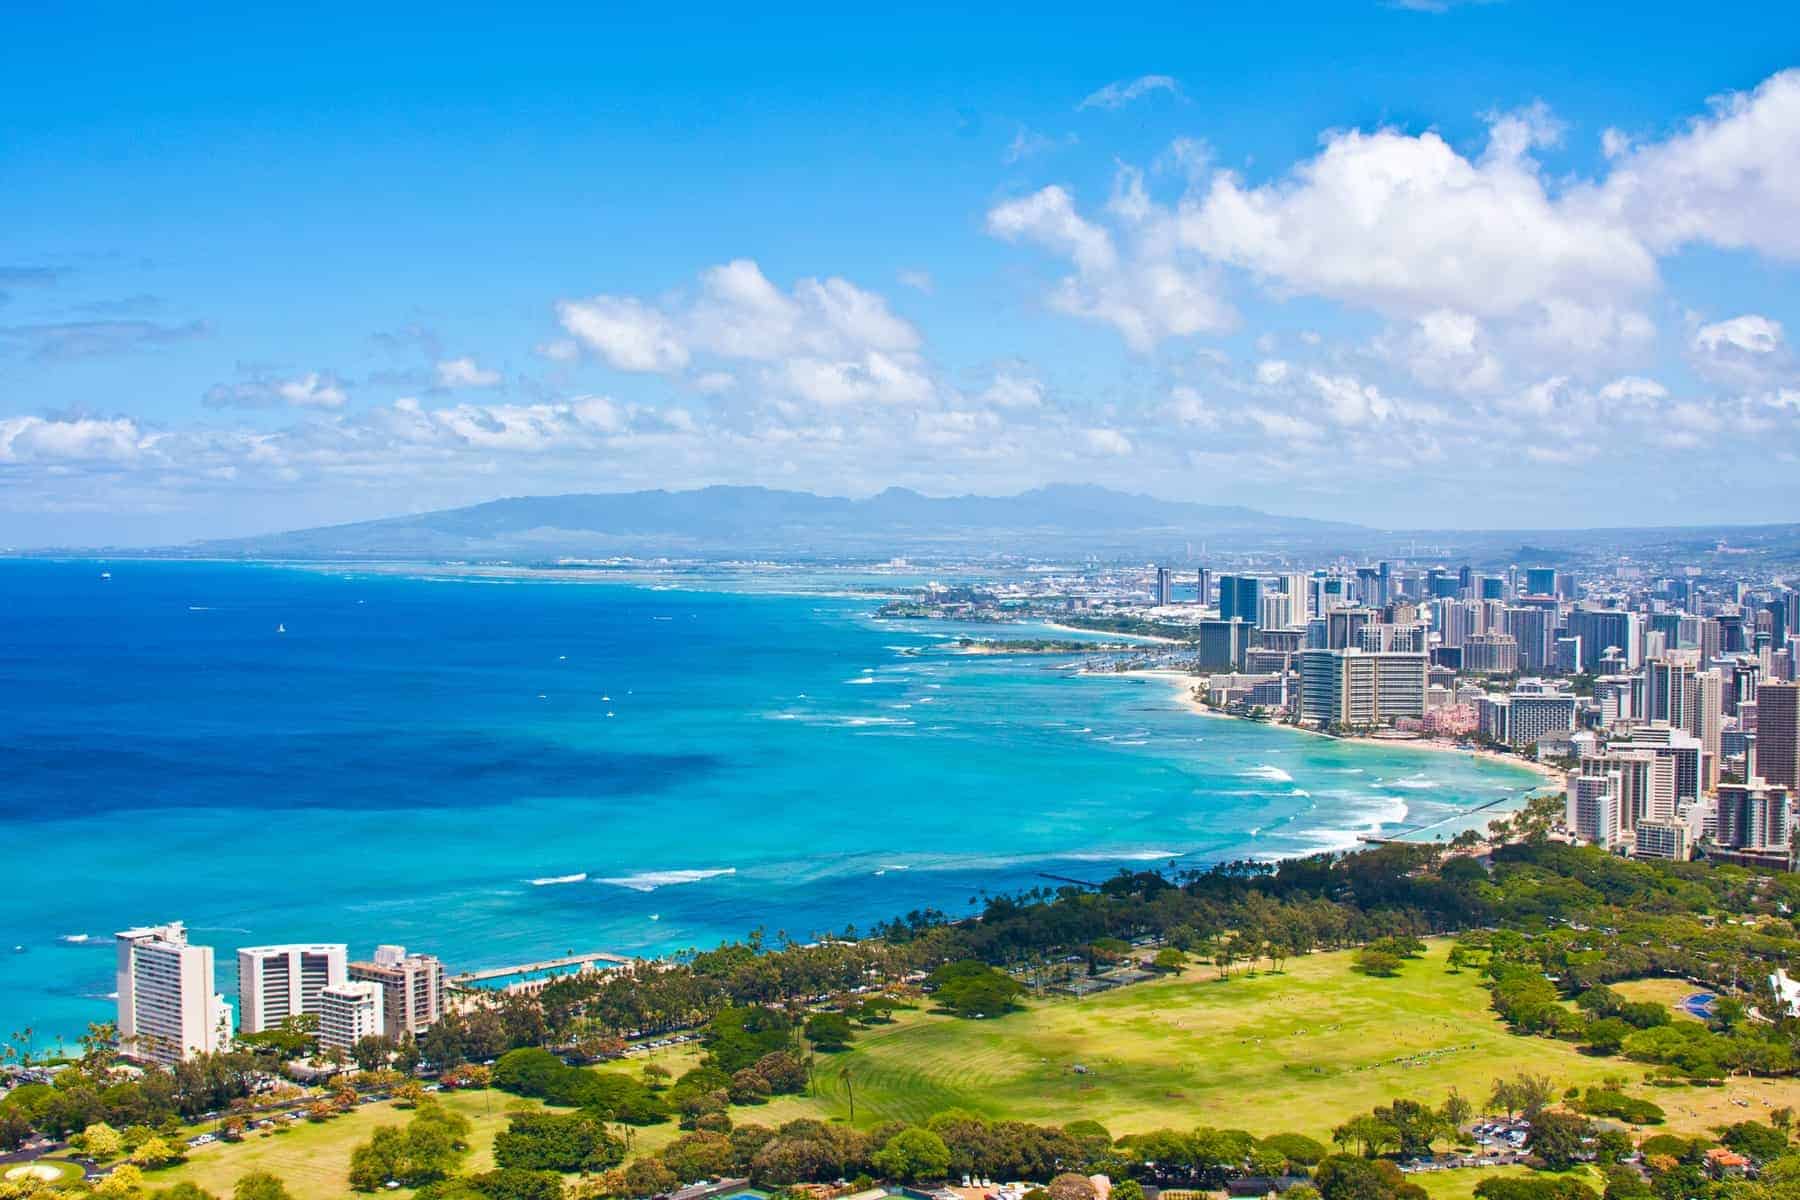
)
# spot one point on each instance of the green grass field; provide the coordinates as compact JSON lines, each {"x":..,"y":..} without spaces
{"x":315,"y":1159}
{"x":1299,"y":1050}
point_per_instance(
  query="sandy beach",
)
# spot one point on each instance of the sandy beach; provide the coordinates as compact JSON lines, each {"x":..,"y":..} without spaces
{"x":1183,"y":685}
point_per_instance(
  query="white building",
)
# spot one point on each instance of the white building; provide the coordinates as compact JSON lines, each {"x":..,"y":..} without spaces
{"x":1593,"y":812}
{"x":278,"y":982}
{"x":413,"y":988}
{"x":348,"y":1013}
{"x":1661,"y":839}
{"x":168,"y":1011}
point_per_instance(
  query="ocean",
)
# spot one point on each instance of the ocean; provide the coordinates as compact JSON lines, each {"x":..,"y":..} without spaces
{"x":499,"y":770}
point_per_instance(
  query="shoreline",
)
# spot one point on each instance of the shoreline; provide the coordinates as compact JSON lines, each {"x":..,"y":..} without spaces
{"x":1182,"y":684}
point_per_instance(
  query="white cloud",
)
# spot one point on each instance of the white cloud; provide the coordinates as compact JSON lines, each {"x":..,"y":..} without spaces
{"x":1748,"y":351}
{"x":1146,"y":293}
{"x":1748,"y":334}
{"x":1121,"y":92}
{"x":1729,"y":179}
{"x":465,"y":372}
{"x":1108,"y":441}
{"x":312,"y":390}
{"x":916,"y":279}
{"x":315,"y":389}
{"x":625,"y":332}
{"x":70,"y":440}
{"x":1189,"y":408}
{"x":1009,"y":391}
{"x":1405,"y":224}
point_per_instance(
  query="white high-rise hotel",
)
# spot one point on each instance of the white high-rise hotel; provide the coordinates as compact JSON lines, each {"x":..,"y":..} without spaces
{"x":168,"y":1010}
{"x":278,"y":982}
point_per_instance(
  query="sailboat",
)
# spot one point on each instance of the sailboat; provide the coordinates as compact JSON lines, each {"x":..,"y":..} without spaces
{"x":281,"y":629}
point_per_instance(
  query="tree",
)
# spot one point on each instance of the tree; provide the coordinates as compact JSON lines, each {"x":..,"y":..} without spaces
{"x":1167,"y":959}
{"x":829,"y":1031}
{"x":1127,"y":1189}
{"x":185,"y":1191}
{"x":102,"y":1142}
{"x":913,"y":1155}
{"x":260,"y":1185}
{"x":1070,"y":1186}
{"x":124,"y":1183}
{"x":648,"y":1177}
{"x":155,"y":1152}
{"x":1523,"y":1093}
{"x":1415,"y":1126}
{"x":514,"y":1183}
{"x":1379,"y":963}
{"x":1556,"y":1138}
{"x":1455,"y":1112}
{"x":1369,"y":1133}
{"x":372,"y":1052}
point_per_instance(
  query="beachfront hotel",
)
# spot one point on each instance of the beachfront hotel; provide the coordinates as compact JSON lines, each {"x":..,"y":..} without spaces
{"x":348,"y":1013}
{"x":413,"y":988}
{"x":168,"y":1011}
{"x":278,"y":982}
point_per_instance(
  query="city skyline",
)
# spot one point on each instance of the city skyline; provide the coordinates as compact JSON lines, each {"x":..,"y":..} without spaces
{"x":1408,"y":265}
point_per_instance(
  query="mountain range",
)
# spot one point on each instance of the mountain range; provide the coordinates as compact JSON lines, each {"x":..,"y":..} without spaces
{"x":757,"y":522}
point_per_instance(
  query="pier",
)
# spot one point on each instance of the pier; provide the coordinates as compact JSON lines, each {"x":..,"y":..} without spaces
{"x":526,"y":970}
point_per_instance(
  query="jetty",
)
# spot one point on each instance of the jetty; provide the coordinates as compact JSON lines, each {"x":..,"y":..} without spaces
{"x":473,"y":978}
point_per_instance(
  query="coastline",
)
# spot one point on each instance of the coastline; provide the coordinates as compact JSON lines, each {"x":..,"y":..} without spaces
{"x":1183,"y":685}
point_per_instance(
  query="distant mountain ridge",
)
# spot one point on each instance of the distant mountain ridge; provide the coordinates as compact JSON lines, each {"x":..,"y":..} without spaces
{"x":724,"y":521}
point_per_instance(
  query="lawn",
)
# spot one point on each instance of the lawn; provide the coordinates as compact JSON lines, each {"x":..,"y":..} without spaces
{"x":1299,"y":1050}
{"x":314,"y":1159}
{"x":1460,"y":1185}
{"x":1670,"y":992}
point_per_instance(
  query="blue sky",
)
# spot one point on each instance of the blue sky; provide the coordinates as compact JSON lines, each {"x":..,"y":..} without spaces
{"x":1480,"y":264}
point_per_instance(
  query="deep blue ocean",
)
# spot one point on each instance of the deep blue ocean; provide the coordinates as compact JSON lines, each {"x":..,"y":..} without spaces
{"x":499,"y":770}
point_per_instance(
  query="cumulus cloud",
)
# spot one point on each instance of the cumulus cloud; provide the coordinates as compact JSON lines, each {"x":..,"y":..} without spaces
{"x":1729,"y":179}
{"x":31,"y":439}
{"x":1476,"y":257}
{"x":824,"y":342}
{"x":1121,"y":92}
{"x":1144,"y":291}
{"x":1748,"y":351}
{"x":465,"y":372}
{"x":314,"y":389}
{"x":1405,"y":224}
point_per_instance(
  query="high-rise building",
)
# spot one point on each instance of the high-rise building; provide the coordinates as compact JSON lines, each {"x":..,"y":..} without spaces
{"x":278,"y":982}
{"x":1240,"y":598}
{"x":1593,"y":808}
{"x":1533,"y":627}
{"x":1754,"y":815}
{"x":1603,"y":629}
{"x":1537,"y":713}
{"x":168,"y":1011}
{"x":1703,"y":713}
{"x":1778,"y":733}
{"x":1202,"y":586}
{"x":413,"y":990}
{"x":348,"y":1013}
{"x":1358,"y":690}
{"x":1224,"y":644}
{"x":1661,"y":839}
{"x":1666,"y":690}
{"x":1490,"y":654}
{"x":1165,"y":586}
{"x":1540,"y":581}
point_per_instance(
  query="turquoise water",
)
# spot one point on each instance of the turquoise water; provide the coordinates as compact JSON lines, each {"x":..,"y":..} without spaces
{"x":502,"y":770}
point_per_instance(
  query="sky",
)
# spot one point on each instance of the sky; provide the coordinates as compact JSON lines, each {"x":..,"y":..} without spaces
{"x":1416,"y":264}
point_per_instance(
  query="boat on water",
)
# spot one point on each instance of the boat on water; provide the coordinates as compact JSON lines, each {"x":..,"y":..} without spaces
{"x":106,"y":574}
{"x":281,"y":629}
